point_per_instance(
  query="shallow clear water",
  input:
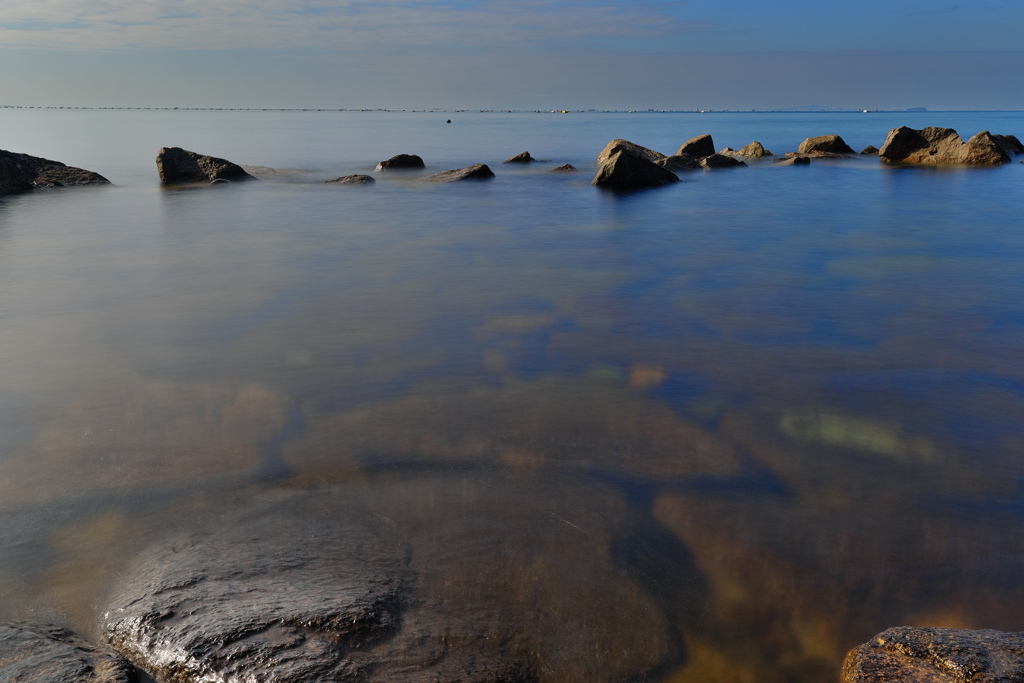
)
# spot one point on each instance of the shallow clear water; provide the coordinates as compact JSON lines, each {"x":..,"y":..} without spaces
{"x":786,"y":404}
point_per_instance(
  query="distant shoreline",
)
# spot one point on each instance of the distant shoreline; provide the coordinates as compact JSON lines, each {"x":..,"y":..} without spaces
{"x":913,"y":110}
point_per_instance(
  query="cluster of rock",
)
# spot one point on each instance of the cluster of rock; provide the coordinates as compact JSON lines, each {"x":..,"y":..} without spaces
{"x":622,"y":164}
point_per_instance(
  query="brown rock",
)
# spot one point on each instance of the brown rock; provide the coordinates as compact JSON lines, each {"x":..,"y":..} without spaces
{"x":564,"y":168}
{"x":937,"y":655}
{"x":620,"y":145}
{"x":474,"y":172}
{"x":679,"y":162}
{"x":755,"y":150}
{"x":720,"y":161}
{"x":358,"y":179}
{"x":869,"y":151}
{"x":938,"y":146}
{"x":828,"y":144}
{"x":177,"y":165}
{"x":400,"y":161}
{"x":1010,"y":143}
{"x":628,"y":172}
{"x":22,"y":173}
{"x":700,"y":146}
{"x":43,"y":653}
{"x":793,"y":160}
{"x":521,"y":158}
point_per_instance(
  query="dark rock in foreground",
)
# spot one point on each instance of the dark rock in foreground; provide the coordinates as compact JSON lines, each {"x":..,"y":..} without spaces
{"x":42,"y":653}
{"x":177,"y":165}
{"x":628,"y":172}
{"x":564,"y":168}
{"x":940,"y":146}
{"x":23,"y":173}
{"x":401,"y":161}
{"x":357,"y":179}
{"x":474,"y":172}
{"x":720,"y":161}
{"x":679,"y":162}
{"x":937,"y":655}
{"x":633,"y":149}
{"x":700,"y":146}
{"x":827,"y":144}
{"x":521,"y":158}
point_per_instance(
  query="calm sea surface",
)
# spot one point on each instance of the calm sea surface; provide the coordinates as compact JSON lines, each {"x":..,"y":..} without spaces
{"x":763,"y":414}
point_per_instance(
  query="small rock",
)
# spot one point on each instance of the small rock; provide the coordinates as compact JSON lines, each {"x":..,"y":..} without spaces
{"x":793,"y":160}
{"x":357,"y":179}
{"x":521,"y":158}
{"x":401,"y":161}
{"x":825,"y":144}
{"x":629,"y":172}
{"x":177,"y":165}
{"x":564,"y":168}
{"x":870,"y":150}
{"x":937,"y":655}
{"x":700,"y":146}
{"x":43,"y":653}
{"x":720,"y":161}
{"x":755,"y":150}
{"x":620,"y":145}
{"x":679,"y":162}
{"x":23,"y":173}
{"x":474,"y":172}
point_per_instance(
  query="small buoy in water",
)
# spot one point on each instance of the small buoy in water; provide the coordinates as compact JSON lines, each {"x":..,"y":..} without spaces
{"x":449,"y":120}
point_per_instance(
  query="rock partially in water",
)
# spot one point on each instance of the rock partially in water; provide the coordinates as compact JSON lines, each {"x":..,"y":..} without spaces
{"x":870,"y":150}
{"x":630,"y":148}
{"x":474,"y":172}
{"x":720,"y":161}
{"x":679,"y":162}
{"x":43,"y":653}
{"x":825,"y":144}
{"x":937,"y":655}
{"x":357,"y":179}
{"x":700,"y":146}
{"x":754,"y":150}
{"x":941,"y":146}
{"x":792,"y":160}
{"x":521,"y":158}
{"x":23,"y":173}
{"x":564,"y":168}
{"x":401,"y":161}
{"x":177,"y":165}
{"x":628,"y":172}
{"x":1010,"y":143}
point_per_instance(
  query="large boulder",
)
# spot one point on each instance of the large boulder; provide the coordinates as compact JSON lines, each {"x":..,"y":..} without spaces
{"x":474,"y":172}
{"x":633,"y":149}
{"x":825,"y":144}
{"x":44,"y":653}
{"x":400,"y":161}
{"x":755,"y":150}
{"x":22,"y":173}
{"x":177,"y":165}
{"x":700,"y":146}
{"x":940,"y":146}
{"x":937,"y":655}
{"x":628,"y":172}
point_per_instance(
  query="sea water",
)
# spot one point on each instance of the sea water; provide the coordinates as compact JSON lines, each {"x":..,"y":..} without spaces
{"x":783,"y":406}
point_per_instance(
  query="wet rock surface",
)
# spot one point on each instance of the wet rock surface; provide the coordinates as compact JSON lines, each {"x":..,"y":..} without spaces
{"x":937,"y":655}
{"x":825,"y":144}
{"x":474,"y":172}
{"x":177,"y":165}
{"x":400,"y":161}
{"x":23,"y":173}
{"x":630,"y":148}
{"x":700,"y":146}
{"x":629,"y":172}
{"x":940,"y":146}
{"x":45,"y":653}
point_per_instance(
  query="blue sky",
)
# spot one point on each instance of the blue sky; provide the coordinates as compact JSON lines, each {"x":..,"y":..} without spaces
{"x":678,"y":54}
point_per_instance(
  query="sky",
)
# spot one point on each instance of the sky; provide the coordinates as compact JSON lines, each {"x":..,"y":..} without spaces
{"x":514,"y":54}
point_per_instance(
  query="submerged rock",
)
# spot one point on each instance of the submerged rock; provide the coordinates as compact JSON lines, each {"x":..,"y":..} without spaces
{"x":937,"y":655}
{"x":679,"y":162}
{"x":400,"y":161}
{"x":521,"y":158}
{"x":626,"y":171}
{"x":357,"y":179}
{"x":43,"y":653}
{"x":720,"y":161}
{"x":825,"y":145}
{"x":23,"y":173}
{"x":474,"y":172}
{"x":630,"y":148}
{"x":177,"y":165}
{"x":700,"y":146}
{"x":940,"y":146}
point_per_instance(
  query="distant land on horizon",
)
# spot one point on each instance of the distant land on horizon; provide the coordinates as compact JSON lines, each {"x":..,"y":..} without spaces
{"x":806,"y":108}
